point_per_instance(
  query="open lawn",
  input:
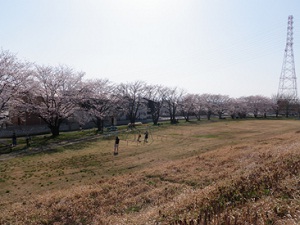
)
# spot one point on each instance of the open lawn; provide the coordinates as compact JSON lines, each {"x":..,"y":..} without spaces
{"x":225,"y":172}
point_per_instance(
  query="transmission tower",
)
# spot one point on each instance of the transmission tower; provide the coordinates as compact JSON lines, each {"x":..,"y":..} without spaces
{"x":287,"y":83}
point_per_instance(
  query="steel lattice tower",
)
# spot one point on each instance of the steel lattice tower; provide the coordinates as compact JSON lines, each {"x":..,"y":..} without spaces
{"x":288,"y":83}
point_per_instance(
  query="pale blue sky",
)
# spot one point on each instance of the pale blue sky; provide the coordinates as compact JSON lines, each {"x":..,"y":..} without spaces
{"x":232,"y":47}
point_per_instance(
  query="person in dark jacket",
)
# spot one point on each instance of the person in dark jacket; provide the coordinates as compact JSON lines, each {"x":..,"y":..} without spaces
{"x":146,"y":137}
{"x":116,"y":148}
{"x":14,"y":139}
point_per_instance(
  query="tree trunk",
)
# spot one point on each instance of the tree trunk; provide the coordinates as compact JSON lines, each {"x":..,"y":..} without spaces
{"x":220,"y":115}
{"x":132,"y":118}
{"x":54,"y":130}
{"x":287,"y":110}
{"x":197,"y":116}
{"x":155,"y":119}
{"x":208,"y":115}
{"x":100,"y":125}
{"x":187,"y":118}
{"x":277,"y":113}
{"x":155,"y":122}
{"x":173,"y":121}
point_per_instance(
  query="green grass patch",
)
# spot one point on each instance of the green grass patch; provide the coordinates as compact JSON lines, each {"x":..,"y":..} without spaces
{"x":206,"y":136}
{"x":132,"y":209}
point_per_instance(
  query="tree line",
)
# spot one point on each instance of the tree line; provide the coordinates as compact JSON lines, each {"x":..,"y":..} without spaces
{"x":57,"y":93}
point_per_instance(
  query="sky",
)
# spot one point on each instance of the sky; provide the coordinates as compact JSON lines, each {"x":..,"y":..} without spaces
{"x":228,"y":47}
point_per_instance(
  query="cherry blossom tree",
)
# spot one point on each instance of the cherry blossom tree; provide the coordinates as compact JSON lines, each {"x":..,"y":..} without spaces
{"x":215,"y":104}
{"x":242,"y":107}
{"x":275,"y":107}
{"x":54,"y":95}
{"x":198,"y":107}
{"x":155,"y":95}
{"x":220,"y":104}
{"x":14,"y":76}
{"x":131,"y":99}
{"x":187,"y":106}
{"x":172,"y":101}
{"x":259,"y":105}
{"x":233,"y":108}
{"x":207,"y":104}
{"x":99,"y":101}
{"x":287,"y":104}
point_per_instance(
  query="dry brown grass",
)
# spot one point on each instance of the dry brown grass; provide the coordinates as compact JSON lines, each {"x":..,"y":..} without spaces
{"x":228,"y":172}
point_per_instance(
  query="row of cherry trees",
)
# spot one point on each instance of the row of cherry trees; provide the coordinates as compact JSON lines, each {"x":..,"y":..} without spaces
{"x":58,"y":93}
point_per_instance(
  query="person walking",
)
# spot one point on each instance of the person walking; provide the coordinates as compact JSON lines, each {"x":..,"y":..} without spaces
{"x":139,"y":137}
{"x":28,"y":138}
{"x":146,"y":137}
{"x":116,"y":147}
{"x":14,"y":139}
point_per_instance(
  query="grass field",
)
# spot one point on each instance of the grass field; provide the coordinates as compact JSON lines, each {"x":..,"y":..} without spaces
{"x":225,"y":172}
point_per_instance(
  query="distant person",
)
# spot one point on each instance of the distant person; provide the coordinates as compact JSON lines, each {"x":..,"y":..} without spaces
{"x":116,"y":148}
{"x":14,"y":139}
{"x":139,"y":137}
{"x":146,"y":137}
{"x":28,"y":138}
